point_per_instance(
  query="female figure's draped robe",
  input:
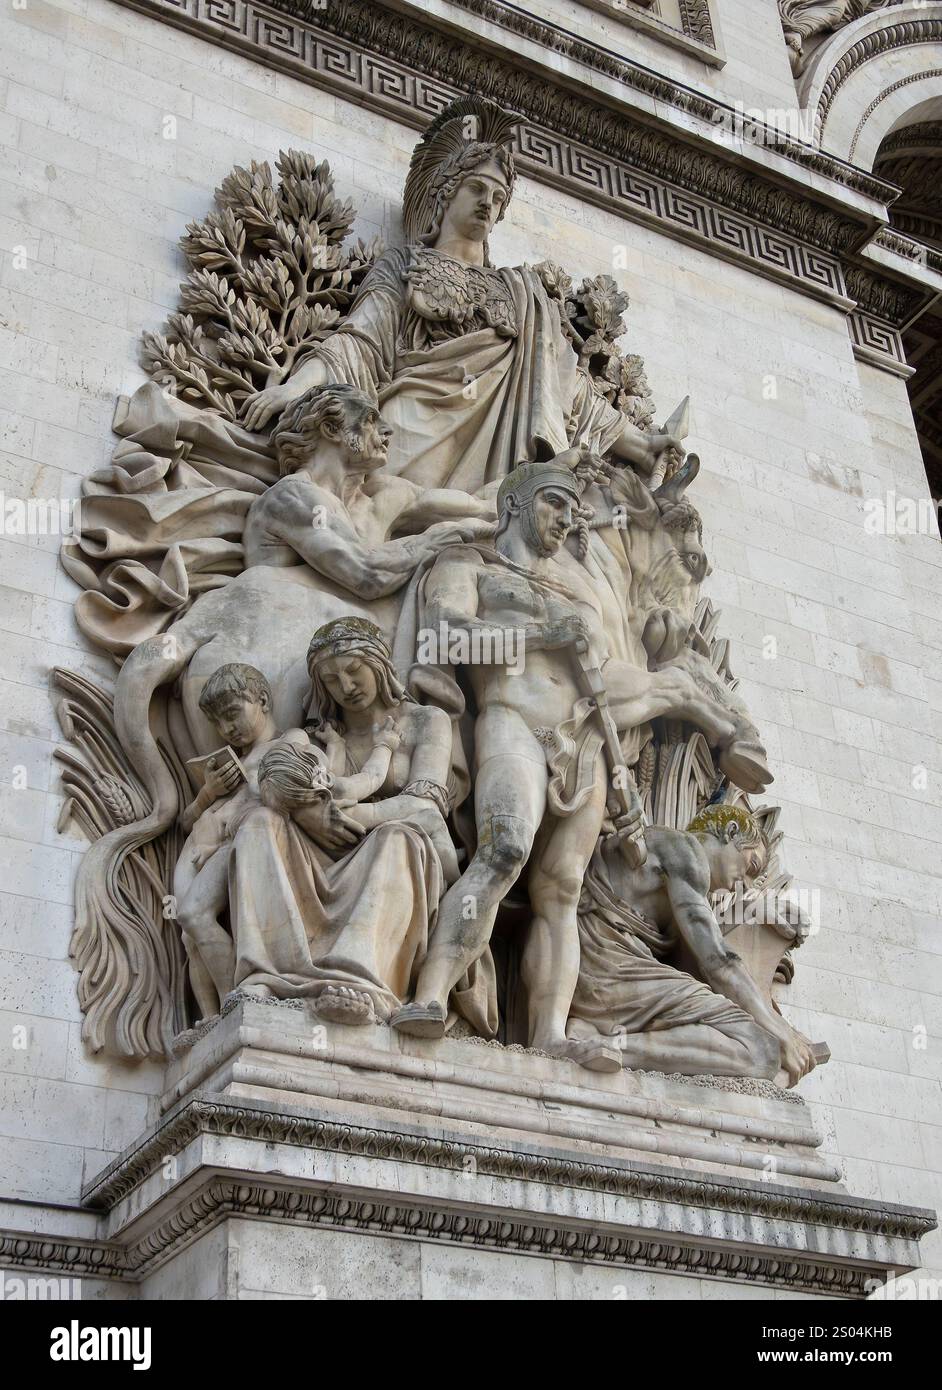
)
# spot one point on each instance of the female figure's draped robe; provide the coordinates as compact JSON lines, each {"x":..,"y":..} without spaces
{"x":470,"y":366}
{"x":303,"y":921}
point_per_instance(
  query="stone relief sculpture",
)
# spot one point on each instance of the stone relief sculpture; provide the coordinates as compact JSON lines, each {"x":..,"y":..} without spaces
{"x":469,"y":362}
{"x":804,"y":20}
{"x":526,"y":811}
{"x":339,"y":908}
{"x":629,"y":919}
{"x":404,"y":588}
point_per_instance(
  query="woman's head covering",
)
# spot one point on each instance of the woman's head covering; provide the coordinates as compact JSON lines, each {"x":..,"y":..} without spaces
{"x":351,"y":636}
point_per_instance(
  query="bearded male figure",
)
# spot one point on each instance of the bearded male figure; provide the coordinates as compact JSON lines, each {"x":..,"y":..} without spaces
{"x":529,"y":586}
{"x":318,"y":546}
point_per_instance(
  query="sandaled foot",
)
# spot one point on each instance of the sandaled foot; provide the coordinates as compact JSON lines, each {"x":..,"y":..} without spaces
{"x":595,"y":1054}
{"x":420,"y":1020}
{"x":745,"y":763}
{"x":340,"y":1004}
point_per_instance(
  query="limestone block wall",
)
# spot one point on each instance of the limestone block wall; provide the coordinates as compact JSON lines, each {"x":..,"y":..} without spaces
{"x":114,"y":131}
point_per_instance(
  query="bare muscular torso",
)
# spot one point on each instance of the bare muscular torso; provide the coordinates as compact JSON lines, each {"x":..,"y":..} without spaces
{"x":673,"y":856}
{"x":546,"y":689}
{"x":296,"y":504}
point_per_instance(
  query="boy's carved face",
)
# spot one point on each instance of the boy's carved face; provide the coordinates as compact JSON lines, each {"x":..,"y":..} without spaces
{"x":240,"y":718}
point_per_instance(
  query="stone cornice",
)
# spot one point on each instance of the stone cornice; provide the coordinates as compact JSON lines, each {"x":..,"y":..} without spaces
{"x":208,"y":1195}
{"x":892,"y":300}
{"x":792,"y":218}
{"x":432,"y":1222}
{"x":401,"y":35}
{"x":696,"y":34}
{"x":884,"y":304}
{"x":90,"y":1259}
{"x":618,"y":1177}
{"x":221,"y":1197}
{"x":902,"y":245}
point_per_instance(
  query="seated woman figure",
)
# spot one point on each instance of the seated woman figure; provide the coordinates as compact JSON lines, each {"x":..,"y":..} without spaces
{"x":332,"y":898}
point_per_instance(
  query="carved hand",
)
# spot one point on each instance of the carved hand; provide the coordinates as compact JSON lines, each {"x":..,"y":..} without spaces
{"x":387,"y":735}
{"x":328,"y":826}
{"x":570,"y":631}
{"x":589,"y":467}
{"x":797,"y":1056}
{"x":269,"y":402}
{"x":659,"y":441}
{"x":219,"y":781}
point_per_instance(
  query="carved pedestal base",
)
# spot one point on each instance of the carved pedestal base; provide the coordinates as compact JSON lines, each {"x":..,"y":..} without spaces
{"x":314,"y":1161}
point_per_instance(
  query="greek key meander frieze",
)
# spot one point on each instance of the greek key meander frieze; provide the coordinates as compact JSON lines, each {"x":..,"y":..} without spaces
{"x":869,"y":332}
{"x":412,"y":73}
{"x":663,"y":183}
{"x":425,"y":50}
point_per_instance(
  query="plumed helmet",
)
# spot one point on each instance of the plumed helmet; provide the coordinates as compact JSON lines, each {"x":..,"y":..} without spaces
{"x":465,"y":135}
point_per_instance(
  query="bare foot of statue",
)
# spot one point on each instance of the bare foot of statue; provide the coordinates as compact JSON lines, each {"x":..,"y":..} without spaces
{"x":340,"y":1004}
{"x":420,"y":1020}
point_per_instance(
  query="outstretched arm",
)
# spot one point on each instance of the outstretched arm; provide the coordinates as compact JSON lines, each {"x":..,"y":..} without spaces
{"x":360,"y":352}
{"x":687,"y":889}
{"x":442,"y":504}
{"x":334,"y":549}
{"x":643,"y":448}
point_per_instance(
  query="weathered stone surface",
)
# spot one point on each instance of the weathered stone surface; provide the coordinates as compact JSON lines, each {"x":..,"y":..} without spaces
{"x":115,"y":129}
